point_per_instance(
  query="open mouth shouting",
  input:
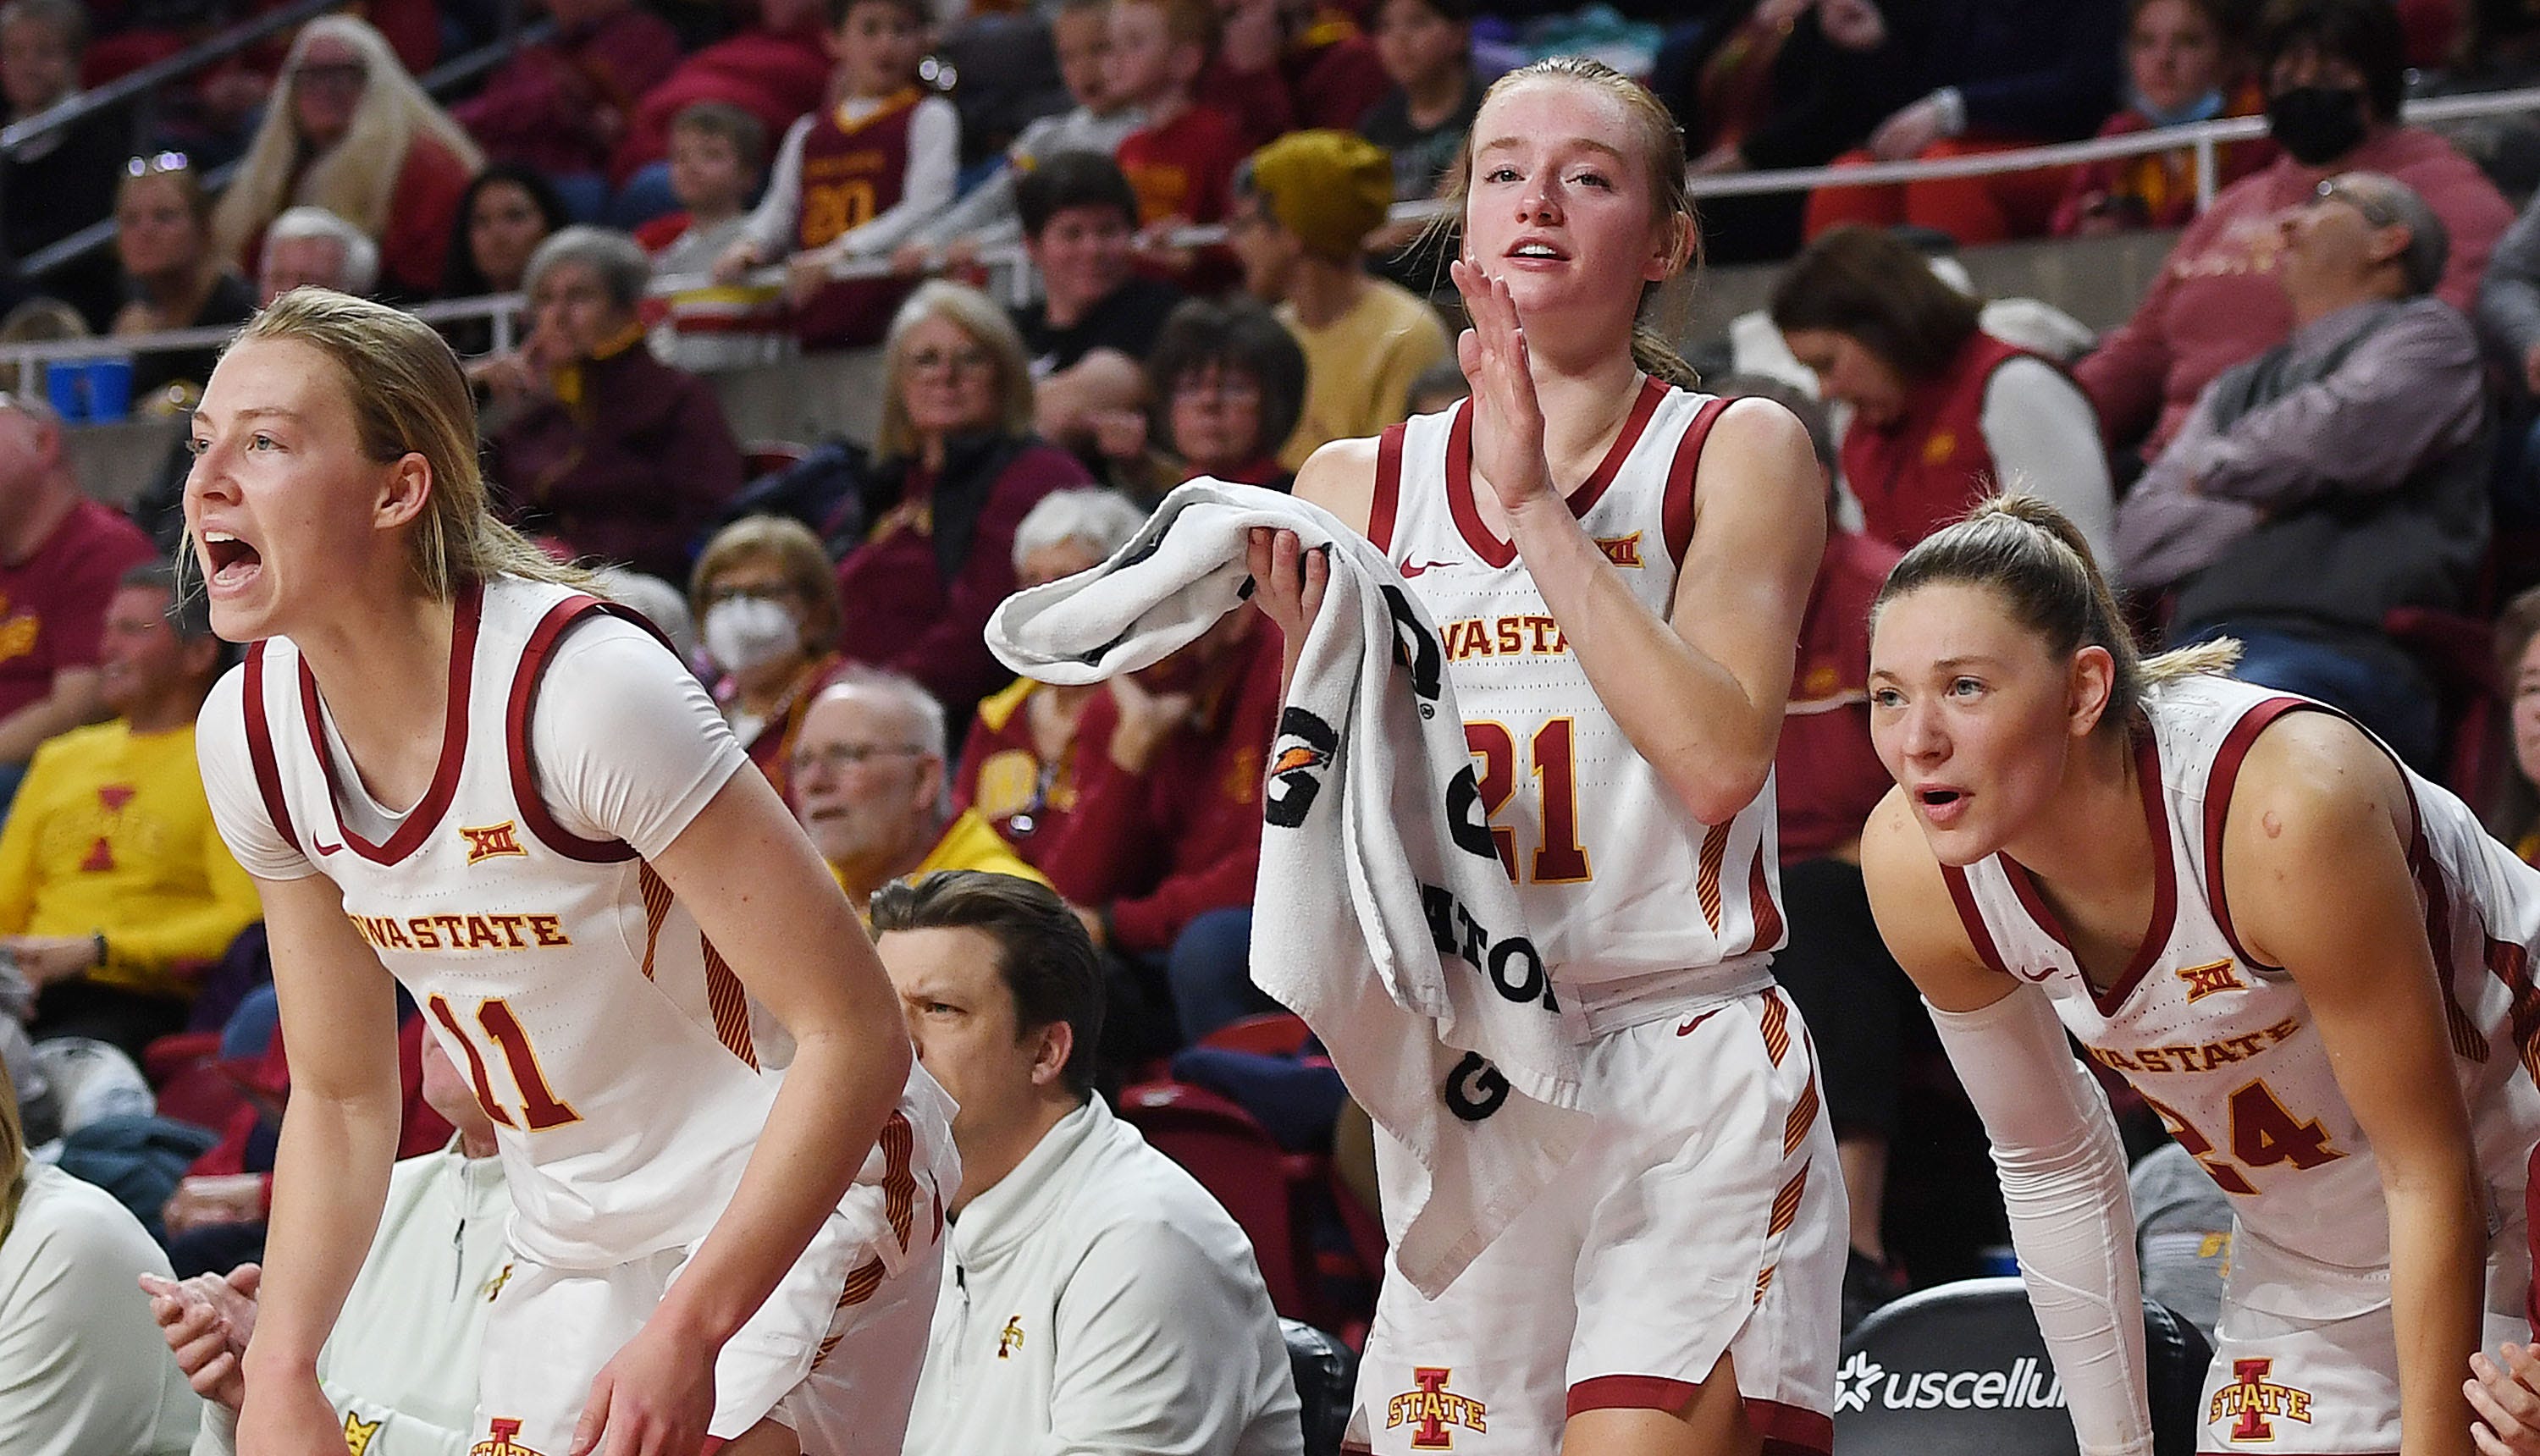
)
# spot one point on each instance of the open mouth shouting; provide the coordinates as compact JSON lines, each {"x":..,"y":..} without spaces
{"x":229,"y":563}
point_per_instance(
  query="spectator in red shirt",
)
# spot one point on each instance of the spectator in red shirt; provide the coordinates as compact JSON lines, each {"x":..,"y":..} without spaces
{"x":1018,"y":764}
{"x":561,"y":106}
{"x":348,"y":130}
{"x":61,"y":558}
{"x":1181,"y":163}
{"x":956,"y":469}
{"x":1159,"y":855}
{"x":1856,"y":1000}
{"x":2334,"y":71}
{"x":606,"y":449}
{"x":777,"y":71}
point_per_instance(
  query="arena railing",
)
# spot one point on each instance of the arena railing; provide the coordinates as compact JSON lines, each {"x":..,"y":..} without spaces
{"x":1009,"y":270}
{"x":440,"y":81}
{"x":147,"y":80}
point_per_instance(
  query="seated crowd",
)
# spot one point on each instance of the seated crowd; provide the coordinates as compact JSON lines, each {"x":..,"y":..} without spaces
{"x":2315,"y":434}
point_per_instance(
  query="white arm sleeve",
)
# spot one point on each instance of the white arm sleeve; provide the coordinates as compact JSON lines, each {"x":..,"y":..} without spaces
{"x":933,"y":169}
{"x":2064,"y":1182}
{"x":228,"y":782}
{"x":2044,"y":439}
{"x":627,"y":744}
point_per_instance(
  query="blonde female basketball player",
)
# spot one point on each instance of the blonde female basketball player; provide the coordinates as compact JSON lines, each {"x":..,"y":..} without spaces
{"x":1620,"y":566}
{"x":443,"y":761}
{"x":2314,"y":964}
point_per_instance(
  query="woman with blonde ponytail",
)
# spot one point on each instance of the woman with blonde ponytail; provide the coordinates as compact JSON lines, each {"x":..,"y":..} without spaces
{"x":444,"y":761}
{"x":1621,"y":564}
{"x":349,"y":130}
{"x":2315,"y":965}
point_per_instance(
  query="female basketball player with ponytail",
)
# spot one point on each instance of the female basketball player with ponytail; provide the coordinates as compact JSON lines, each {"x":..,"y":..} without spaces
{"x":2314,"y":964}
{"x":1622,"y":564}
{"x":443,"y":760}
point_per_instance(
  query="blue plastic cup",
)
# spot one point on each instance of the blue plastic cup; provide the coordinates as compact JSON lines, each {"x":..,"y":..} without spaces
{"x":66,"y":386}
{"x":110,"y":388}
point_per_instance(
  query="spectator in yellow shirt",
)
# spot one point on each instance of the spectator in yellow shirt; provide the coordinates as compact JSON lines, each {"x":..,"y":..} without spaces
{"x":1304,"y":207}
{"x":869,"y":787}
{"x":115,"y":887}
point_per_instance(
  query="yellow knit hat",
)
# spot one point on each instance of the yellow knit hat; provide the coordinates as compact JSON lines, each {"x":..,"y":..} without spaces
{"x":1331,"y":188}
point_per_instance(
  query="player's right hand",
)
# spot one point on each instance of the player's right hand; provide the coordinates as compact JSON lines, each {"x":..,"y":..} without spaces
{"x":653,"y":1397}
{"x":288,"y":1417}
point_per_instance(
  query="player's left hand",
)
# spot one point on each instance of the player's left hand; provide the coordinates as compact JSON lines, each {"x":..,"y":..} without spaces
{"x":652,"y":1399}
{"x":2503,"y":1395}
{"x":1507,"y":434}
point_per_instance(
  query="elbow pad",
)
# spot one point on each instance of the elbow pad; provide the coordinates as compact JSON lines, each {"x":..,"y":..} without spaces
{"x":2063,"y":1183}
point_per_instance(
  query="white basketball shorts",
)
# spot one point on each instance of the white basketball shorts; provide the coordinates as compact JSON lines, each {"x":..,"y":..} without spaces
{"x":1704,"y":1218}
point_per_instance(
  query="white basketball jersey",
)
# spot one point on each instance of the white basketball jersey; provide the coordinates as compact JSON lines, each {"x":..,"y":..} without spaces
{"x":2223,"y":1046}
{"x":610,"y":1043}
{"x":1619,"y":880}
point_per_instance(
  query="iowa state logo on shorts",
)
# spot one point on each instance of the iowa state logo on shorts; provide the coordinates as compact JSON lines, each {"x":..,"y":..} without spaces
{"x":1432,"y":1410}
{"x":501,"y":1442}
{"x":2257,"y":1402}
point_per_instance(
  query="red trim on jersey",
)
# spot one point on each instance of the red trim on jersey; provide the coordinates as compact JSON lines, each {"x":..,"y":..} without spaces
{"x":1761,"y":908}
{"x":425,"y":816}
{"x":516,"y":729}
{"x":1388,"y":501}
{"x":1791,"y":1431}
{"x":898,"y":1144}
{"x":728,"y":1000}
{"x":1971,"y":916}
{"x":1631,"y":1392}
{"x":2219,"y":784}
{"x":2164,"y":888}
{"x":259,"y":749}
{"x":1677,"y":514}
{"x":1460,"y":472}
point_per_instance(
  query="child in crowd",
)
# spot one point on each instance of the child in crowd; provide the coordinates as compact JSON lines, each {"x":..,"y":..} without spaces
{"x":1181,"y":160}
{"x":1426,"y":47}
{"x":718,"y":153}
{"x":986,"y":216}
{"x":857,"y":179}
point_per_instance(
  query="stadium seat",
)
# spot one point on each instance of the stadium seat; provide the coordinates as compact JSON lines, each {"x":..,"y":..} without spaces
{"x":2459,"y":652}
{"x":1270,"y":1035}
{"x":1262,"y":1185}
{"x":1962,"y":1367}
{"x":766,"y":456}
{"x":1326,"y":1374}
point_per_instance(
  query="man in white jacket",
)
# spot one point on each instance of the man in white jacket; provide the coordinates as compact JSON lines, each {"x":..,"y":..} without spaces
{"x":402,"y":1364}
{"x":1098,"y":1299}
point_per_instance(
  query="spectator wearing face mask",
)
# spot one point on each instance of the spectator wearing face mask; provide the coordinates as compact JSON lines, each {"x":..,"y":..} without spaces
{"x":767,"y":601}
{"x":2334,"y":70}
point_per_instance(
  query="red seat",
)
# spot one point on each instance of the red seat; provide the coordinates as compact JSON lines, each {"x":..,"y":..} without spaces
{"x":172,"y":1056}
{"x":765,"y":456}
{"x":201,"y":1094}
{"x":1270,"y":1035}
{"x":1265,"y":1186}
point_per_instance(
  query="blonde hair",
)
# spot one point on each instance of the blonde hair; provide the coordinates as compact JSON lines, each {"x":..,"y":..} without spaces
{"x":13,"y":1153}
{"x":1661,"y":147}
{"x":2035,"y":559}
{"x":356,"y":178}
{"x":979,"y":317}
{"x":792,"y":546}
{"x":410,"y":398}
